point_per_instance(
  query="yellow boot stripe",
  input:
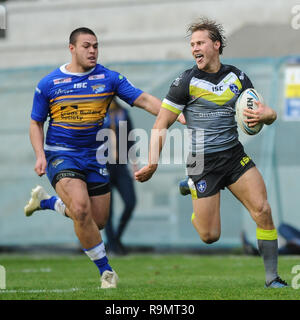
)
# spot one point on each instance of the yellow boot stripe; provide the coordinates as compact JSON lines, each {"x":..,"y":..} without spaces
{"x":262,"y":234}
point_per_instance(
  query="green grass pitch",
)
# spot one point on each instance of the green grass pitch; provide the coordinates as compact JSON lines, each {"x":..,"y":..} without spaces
{"x":144,"y":277}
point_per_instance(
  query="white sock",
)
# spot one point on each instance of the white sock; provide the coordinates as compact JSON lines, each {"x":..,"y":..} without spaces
{"x":97,"y":252}
{"x":98,"y":255}
{"x":60,"y":207}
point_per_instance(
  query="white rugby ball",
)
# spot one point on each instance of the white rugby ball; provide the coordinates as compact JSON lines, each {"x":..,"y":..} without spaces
{"x":246,"y":100}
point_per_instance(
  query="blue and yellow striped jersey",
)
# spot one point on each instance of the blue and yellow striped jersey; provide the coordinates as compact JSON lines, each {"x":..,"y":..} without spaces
{"x":77,"y":104}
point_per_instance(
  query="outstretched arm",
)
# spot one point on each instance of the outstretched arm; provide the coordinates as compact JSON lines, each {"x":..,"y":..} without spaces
{"x":36,"y":132}
{"x":148,"y":102}
{"x":152,"y":104}
{"x":163,"y":121}
{"x":263,"y":114}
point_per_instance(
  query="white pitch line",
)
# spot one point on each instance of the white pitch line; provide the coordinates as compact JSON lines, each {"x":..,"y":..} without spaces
{"x":36,"y":270}
{"x":41,"y":291}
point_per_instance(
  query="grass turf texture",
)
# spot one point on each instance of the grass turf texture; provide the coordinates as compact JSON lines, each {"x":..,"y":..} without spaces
{"x":144,"y":277}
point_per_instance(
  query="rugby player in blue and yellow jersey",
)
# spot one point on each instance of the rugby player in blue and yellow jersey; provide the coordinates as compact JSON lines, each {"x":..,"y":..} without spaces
{"x":76,"y":97}
{"x":206,"y":95}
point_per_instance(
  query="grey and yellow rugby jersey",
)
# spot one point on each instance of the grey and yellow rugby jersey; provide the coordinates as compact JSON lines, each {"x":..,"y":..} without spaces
{"x":207,"y":101}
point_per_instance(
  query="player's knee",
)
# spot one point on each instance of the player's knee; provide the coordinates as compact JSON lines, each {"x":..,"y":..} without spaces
{"x":262,"y":212}
{"x":80,"y":211}
{"x":210,"y":237}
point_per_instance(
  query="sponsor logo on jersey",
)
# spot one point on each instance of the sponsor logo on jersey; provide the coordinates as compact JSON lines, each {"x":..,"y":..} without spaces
{"x":176,"y":82}
{"x":245,"y":161}
{"x":62,"y":80}
{"x":60,"y":91}
{"x":227,"y":78}
{"x":234,"y":88}
{"x":98,"y":88}
{"x":201,"y":186}
{"x":96,"y":76}
{"x":103,"y":171}
{"x":80,"y":85}
{"x":216,"y":88}
{"x":70,"y":106}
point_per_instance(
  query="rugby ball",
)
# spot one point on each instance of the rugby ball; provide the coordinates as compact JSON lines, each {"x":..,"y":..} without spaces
{"x":246,"y":100}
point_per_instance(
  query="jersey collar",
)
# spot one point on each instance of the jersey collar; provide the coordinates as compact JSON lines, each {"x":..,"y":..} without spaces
{"x":63,"y":69}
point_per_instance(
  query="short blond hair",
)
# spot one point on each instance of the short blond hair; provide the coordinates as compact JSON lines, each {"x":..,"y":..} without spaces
{"x":216,"y":31}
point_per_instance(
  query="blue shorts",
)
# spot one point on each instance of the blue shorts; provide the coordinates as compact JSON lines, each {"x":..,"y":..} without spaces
{"x":81,"y":165}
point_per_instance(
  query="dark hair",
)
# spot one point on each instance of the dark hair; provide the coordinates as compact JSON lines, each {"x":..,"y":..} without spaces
{"x":75,"y":33}
{"x":216,"y":31}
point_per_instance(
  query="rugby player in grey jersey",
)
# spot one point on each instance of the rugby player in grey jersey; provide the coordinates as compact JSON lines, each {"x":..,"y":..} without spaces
{"x":206,"y":94}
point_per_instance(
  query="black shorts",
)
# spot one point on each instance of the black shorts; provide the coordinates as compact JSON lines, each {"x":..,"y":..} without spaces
{"x":220,"y":170}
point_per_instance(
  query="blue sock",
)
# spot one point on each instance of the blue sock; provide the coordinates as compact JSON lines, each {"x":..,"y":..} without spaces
{"x":49,"y":203}
{"x":102,"y":264}
{"x":98,"y":255}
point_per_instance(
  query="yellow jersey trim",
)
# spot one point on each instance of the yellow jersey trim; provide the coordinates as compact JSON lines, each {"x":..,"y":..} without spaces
{"x":170,"y":108}
{"x":215,"y":98}
{"x":94,"y":95}
{"x":70,"y":127}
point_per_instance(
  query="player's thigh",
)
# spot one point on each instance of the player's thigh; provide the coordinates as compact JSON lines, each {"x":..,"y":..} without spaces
{"x":74,"y":194}
{"x":100,"y":206}
{"x":206,"y":218}
{"x":250,"y":189}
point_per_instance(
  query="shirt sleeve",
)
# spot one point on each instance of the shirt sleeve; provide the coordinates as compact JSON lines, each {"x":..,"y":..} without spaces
{"x":178,"y":95}
{"x":246,"y":83}
{"x":40,"y":107}
{"x":126,"y":90}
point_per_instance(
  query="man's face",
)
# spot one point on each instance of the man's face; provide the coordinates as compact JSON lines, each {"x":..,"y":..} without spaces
{"x":85,"y":51}
{"x":204,"y":50}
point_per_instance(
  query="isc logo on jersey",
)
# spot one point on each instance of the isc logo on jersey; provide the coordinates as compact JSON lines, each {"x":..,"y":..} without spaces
{"x":80,"y":85}
{"x":246,"y":100}
{"x":216,"y":88}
